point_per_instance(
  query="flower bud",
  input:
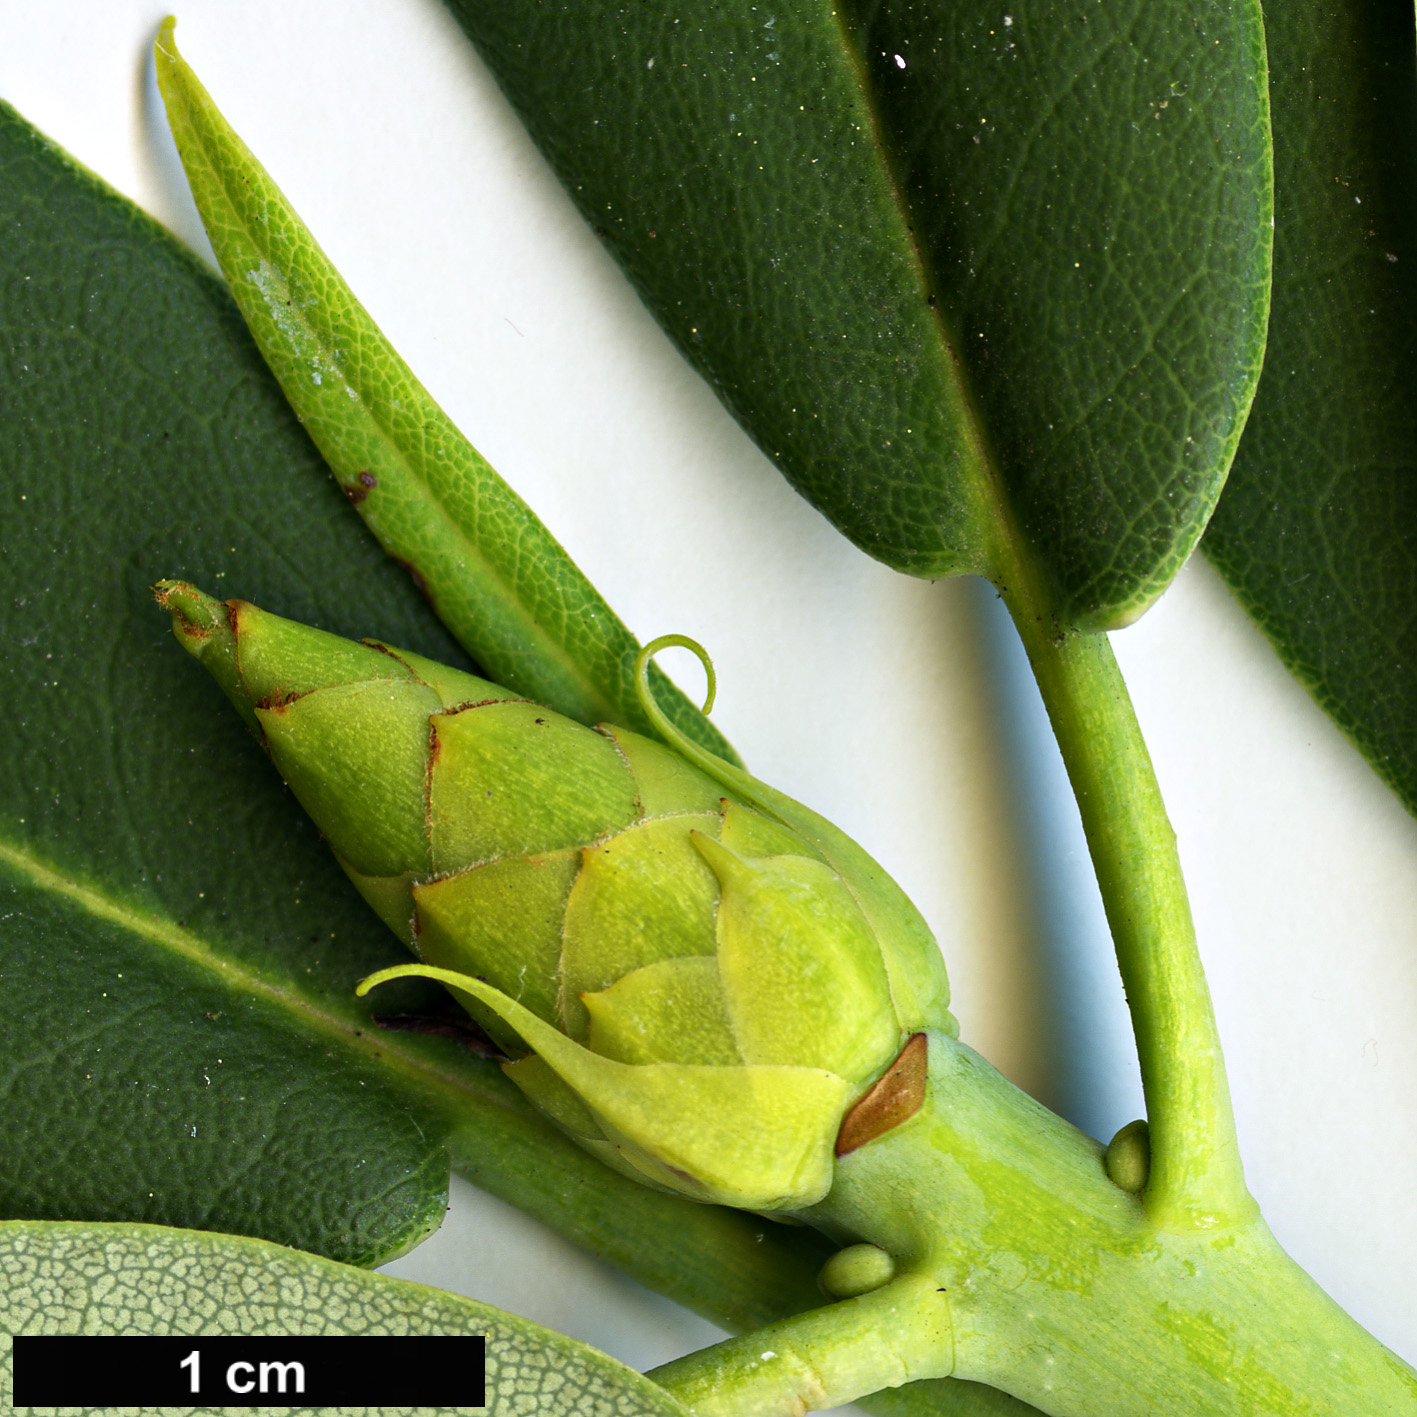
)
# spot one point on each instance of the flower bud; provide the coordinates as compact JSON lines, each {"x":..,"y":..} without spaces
{"x":691,"y":974}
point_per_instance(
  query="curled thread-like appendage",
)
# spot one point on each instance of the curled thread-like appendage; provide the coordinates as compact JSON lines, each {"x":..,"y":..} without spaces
{"x":742,"y":784}
{"x":645,"y":694}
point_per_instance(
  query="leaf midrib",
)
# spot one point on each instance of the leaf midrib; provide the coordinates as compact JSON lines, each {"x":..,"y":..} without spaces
{"x":311,"y":1012}
{"x":1002,"y":560}
{"x":413,"y":389}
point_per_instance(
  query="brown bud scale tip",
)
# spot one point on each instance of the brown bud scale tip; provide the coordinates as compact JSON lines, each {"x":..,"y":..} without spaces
{"x":895,"y":1097}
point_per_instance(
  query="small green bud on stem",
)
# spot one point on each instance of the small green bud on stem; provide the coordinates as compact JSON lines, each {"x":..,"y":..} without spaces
{"x":1128,"y":1158}
{"x":858,"y":1269}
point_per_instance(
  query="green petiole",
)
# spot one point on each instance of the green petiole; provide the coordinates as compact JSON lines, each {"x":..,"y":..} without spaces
{"x":1195,"y":1178}
{"x":1019,"y":1263}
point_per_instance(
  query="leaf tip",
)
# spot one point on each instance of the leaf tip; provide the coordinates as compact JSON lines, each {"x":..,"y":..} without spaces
{"x":165,"y":46}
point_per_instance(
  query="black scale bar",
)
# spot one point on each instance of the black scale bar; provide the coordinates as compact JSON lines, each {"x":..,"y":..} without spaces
{"x":69,"y":1371}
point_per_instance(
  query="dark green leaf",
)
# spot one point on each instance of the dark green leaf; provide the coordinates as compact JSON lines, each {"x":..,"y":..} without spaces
{"x":989,"y":282}
{"x":152,"y":869}
{"x":142,"y":1280}
{"x":146,"y":1078}
{"x":1317,"y":531}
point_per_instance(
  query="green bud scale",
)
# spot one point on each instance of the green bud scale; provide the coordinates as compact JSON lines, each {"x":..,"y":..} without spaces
{"x":694,"y":976}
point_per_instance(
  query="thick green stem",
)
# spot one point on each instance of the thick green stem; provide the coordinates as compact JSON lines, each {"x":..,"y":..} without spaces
{"x":1196,"y":1179}
{"x":820,"y":1359}
{"x":1062,"y":1288}
{"x":1018,"y":1263}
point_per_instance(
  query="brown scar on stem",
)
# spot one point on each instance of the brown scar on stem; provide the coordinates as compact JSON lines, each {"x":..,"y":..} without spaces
{"x":895,"y":1097}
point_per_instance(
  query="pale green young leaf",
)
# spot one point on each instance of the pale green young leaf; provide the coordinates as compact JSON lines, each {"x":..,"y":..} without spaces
{"x":493,"y":572}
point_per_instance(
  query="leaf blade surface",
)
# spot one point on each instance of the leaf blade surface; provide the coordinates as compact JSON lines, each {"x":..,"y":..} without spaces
{"x":1317,"y":531}
{"x":965,"y":352}
{"x":141,"y":425}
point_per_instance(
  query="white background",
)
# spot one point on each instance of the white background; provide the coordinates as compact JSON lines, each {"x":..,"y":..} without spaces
{"x":898,"y":708}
